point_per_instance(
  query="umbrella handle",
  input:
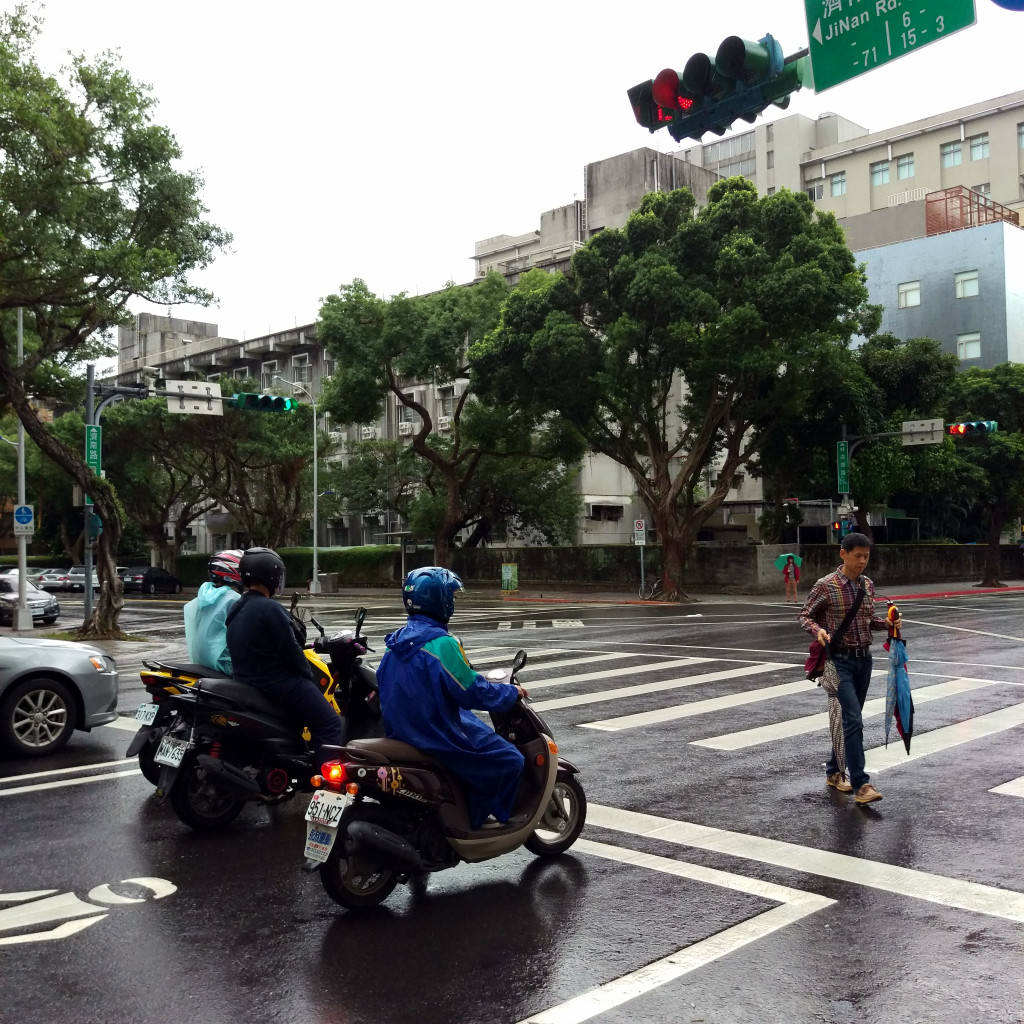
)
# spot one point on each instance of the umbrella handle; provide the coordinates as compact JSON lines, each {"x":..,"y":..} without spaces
{"x":892,"y":615}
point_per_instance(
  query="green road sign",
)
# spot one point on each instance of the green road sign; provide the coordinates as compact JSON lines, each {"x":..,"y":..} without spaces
{"x":92,"y":451}
{"x":849,"y":37}
{"x":843,"y":467}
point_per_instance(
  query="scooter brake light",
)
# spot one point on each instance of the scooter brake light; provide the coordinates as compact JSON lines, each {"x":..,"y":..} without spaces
{"x":333,"y":772}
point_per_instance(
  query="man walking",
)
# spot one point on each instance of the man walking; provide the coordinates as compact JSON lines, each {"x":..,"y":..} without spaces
{"x":822,"y":615}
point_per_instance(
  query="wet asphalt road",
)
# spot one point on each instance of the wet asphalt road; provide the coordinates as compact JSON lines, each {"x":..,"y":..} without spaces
{"x":718,"y":879}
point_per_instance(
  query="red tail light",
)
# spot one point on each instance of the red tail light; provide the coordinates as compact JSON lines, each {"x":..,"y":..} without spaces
{"x":333,"y":772}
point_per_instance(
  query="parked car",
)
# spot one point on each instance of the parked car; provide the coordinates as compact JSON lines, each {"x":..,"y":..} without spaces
{"x":49,"y":688}
{"x":54,"y":579}
{"x":36,"y":575}
{"x":43,"y":606}
{"x":148,"y":579}
{"x":76,"y":578}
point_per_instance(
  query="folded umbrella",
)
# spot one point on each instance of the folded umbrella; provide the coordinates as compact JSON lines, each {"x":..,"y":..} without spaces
{"x":780,"y":562}
{"x":829,"y":682}
{"x":899,"y":706}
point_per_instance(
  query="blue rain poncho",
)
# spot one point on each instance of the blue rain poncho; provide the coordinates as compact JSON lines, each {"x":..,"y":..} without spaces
{"x":428,"y":693}
{"x":206,"y":634}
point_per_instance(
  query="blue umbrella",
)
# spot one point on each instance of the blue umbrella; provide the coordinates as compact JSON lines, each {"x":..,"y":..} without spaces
{"x":899,"y":705}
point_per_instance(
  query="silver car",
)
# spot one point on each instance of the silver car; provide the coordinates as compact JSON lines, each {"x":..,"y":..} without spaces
{"x":43,"y":606}
{"x":49,"y":688}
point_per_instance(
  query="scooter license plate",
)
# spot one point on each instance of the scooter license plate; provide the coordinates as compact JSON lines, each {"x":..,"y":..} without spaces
{"x":171,"y":751}
{"x":146,"y":714}
{"x":322,"y":817}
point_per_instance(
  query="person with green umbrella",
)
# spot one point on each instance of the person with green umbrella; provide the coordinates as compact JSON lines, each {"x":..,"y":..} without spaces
{"x":791,"y":575}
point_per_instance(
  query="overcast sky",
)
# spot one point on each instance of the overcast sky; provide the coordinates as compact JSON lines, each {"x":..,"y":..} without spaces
{"x":381,"y":140}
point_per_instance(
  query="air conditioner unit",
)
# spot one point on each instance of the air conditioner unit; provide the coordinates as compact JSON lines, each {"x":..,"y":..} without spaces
{"x":404,"y":429}
{"x":368,"y":433}
{"x":444,"y":423}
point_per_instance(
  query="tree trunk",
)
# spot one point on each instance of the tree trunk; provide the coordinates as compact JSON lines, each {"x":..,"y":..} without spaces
{"x":996,"y":520}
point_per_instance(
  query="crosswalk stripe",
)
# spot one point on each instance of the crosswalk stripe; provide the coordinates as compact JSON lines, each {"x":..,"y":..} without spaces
{"x":811,"y":723}
{"x":1015,"y":787}
{"x":656,"y":687}
{"x":880,"y":758}
{"x":617,"y":673}
{"x":700,"y":707}
{"x":922,"y":885}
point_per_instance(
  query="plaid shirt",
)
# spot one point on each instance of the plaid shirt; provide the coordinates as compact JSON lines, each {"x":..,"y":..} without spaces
{"x":829,"y":601}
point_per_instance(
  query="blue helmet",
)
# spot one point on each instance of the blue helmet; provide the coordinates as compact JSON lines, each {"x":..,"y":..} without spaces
{"x":431,"y":591}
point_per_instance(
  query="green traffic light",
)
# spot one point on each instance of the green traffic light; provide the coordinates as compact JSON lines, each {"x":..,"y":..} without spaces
{"x":264,"y":403}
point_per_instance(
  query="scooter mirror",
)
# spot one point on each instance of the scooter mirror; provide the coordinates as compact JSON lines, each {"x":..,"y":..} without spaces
{"x":360,"y":619}
{"x":295,"y":601}
{"x":519,"y":661}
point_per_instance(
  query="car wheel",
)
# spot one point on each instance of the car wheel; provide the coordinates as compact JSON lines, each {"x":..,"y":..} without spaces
{"x":151,"y":588}
{"x":37,"y":717}
{"x":50,"y":621}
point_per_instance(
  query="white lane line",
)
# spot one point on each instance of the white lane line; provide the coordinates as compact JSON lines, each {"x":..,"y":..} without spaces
{"x":796,"y":904}
{"x":67,"y":782}
{"x":124,"y":723}
{"x":567,"y":623}
{"x":811,"y":723}
{"x":963,"y":629}
{"x":65,"y":771}
{"x":617,"y":673}
{"x":880,"y":758}
{"x":700,"y":707}
{"x":1015,"y":787}
{"x":922,"y":885}
{"x":660,"y":685}
{"x":509,"y":651}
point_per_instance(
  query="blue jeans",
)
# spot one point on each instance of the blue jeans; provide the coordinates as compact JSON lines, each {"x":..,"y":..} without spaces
{"x":854,"y":678}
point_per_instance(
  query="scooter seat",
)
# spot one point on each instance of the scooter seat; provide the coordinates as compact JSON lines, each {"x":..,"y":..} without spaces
{"x":393,"y":750}
{"x":185,"y":668}
{"x":243,"y":693}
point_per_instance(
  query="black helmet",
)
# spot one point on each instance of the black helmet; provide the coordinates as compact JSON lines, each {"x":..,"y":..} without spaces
{"x":262,"y":565}
{"x":223,"y":568}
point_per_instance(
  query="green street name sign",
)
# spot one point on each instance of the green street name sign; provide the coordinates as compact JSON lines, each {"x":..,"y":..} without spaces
{"x":843,"y":467}
{"x":850,"y":37}
{"x":92,"y":451}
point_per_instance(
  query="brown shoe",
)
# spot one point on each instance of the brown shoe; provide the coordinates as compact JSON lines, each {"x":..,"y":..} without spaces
{"x":867,"y":794}
{"x":838,"y":781}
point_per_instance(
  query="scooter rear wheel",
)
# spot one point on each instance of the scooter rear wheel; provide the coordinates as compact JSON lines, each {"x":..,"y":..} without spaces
{"x":149,"y":768}
{"x":198,"y":802}
{"x":563,"y":819}
{"x":361,"y":880}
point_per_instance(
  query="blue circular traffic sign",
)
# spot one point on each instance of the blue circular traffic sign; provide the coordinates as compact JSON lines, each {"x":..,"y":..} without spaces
{"x":23,"y":514}
{"x":1010,"y":5}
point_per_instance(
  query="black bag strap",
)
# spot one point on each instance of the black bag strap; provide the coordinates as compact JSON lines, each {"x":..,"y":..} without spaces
{"x":837,"y":637}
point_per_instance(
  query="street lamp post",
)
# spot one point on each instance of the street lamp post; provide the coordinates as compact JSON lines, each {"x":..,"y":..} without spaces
{"x":314,"y":583}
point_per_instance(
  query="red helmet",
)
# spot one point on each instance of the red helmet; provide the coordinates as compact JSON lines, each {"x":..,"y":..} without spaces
{"x":223,"y":569}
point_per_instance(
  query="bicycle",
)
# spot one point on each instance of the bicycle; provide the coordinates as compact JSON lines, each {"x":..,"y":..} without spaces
{"x":650,"y":588}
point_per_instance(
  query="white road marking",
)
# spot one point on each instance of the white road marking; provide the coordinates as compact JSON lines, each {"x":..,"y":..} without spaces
{"x":962,"y":629}
{"x":700,"y":707}
{"x":660,"y":685}
{"x":951,"y":892}
{"x":880,"y":758}
{"x":618,"y":673}
{"x":567,"y":623}
{"x":124,"y":723}
{"x":67,"y":782}
{"x":529,"y":624}
{"x":1015,"y":787}
{"x":508,"y":652}
{"x":64,"y":771}
{"x":796,"y":904}
{"x":812,"y":723}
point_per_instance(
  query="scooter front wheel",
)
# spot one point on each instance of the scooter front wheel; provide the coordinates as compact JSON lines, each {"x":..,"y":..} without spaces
{"x":359,"y":880}
{"x":563,"y":819}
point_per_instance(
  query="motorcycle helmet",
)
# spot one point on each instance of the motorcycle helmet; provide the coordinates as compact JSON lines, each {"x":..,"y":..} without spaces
{"x":223,"y":568}
{"x":264,"y":566}
{"x":431,"y":591}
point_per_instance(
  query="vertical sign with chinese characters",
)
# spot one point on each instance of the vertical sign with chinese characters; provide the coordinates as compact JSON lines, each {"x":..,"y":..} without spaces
{"x":92,"y":451}
{"x":843,"y":467}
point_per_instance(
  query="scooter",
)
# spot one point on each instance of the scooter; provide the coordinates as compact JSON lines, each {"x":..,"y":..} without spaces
{"x":384,"y":813}
{"x":346,"y":681}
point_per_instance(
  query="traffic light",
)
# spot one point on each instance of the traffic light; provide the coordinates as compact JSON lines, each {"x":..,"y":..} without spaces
{"x":264,"y":403}
{"x":972,"y":427}
{"x":744,"y":78}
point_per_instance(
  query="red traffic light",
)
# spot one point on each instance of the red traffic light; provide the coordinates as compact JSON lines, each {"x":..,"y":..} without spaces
{"x":958,"y":428}
{"x":668,"y":91}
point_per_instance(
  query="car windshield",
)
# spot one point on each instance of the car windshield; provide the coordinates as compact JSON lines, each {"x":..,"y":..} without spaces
{"x":9,"y":586}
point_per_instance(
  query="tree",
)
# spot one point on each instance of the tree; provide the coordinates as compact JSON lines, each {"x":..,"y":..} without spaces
{"x":683,"y":341}
{"x":93,"y":213}
{"x":995,"y":394}
{"x":385,"y":347}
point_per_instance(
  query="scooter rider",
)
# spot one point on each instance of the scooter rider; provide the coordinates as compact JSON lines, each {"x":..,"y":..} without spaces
{"x":265,"y":652}
{"x":428,"y":692}
{"x":205,"y":615}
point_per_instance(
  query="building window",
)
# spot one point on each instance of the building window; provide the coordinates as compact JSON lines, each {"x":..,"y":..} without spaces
{"x":979,"y":147}
{"x":966,"y":284}
{"x":744,"y":167}
{"x":241,"y":373}
{"x":839,"y":184}
{"x":984,"y":189}
{"x":733,"y":147}
{"x":815,"y":190}
{"x":968,"y":346}
{"x":267,"y":373}
{"x":951,"y":154}
{"x":1020,"y":135}
{"x":909,"y":294}
{"x":302,"y":369}
{"x":771,"y":190}
{"x":404,"y":413}
{"x":446,"y":401}
{"x":769,"y":133}
{"x":905,"y":166}
{"x":880,"y":173}
{"x":770,"y":159}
